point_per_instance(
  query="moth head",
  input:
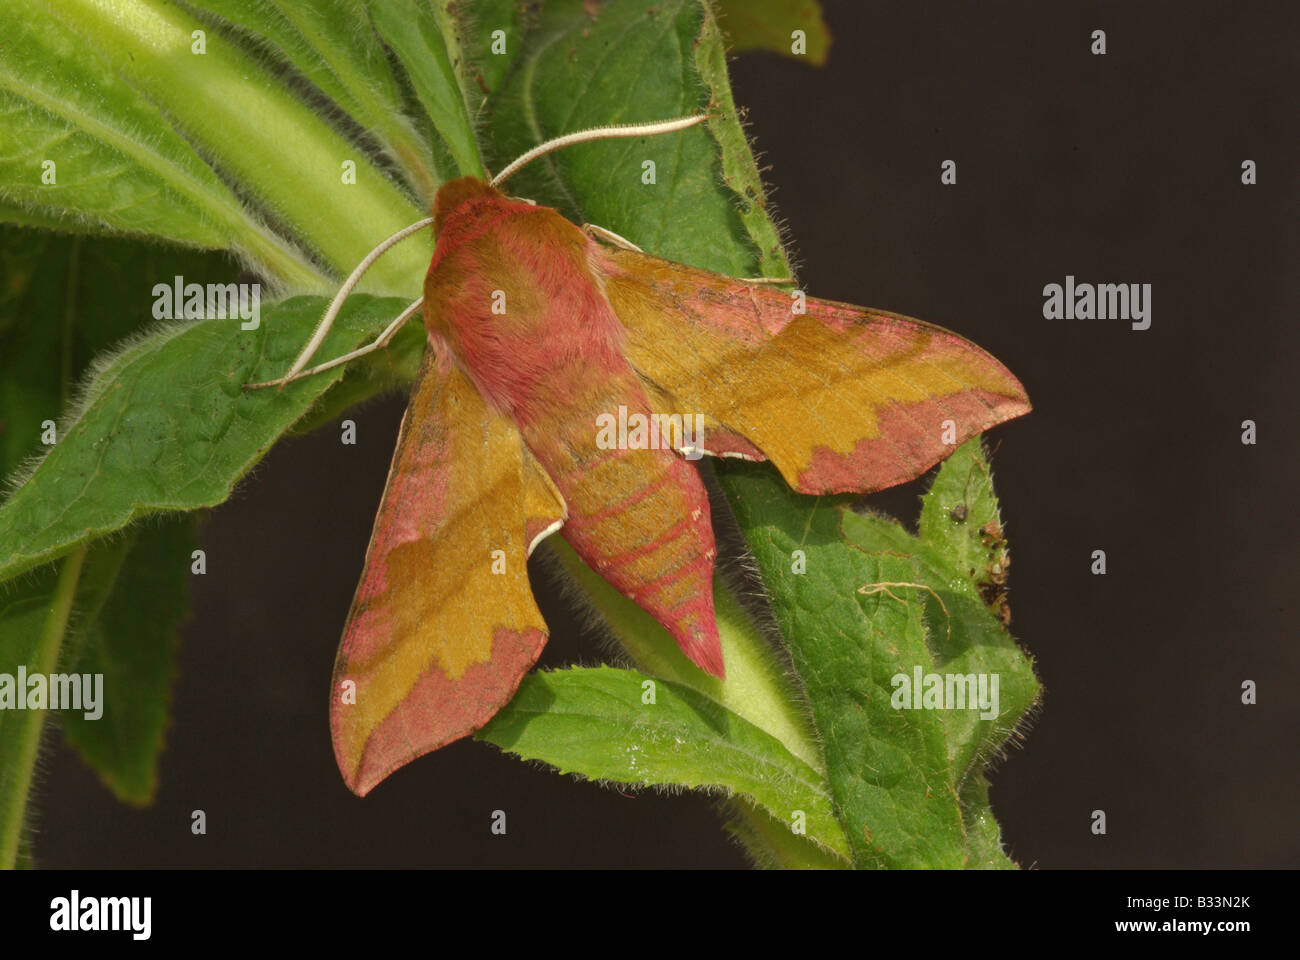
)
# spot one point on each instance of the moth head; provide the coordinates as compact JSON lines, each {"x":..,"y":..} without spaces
{"x":454,"y":194}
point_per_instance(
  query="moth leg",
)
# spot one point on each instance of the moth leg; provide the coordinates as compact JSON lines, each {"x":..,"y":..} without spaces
{"x":380,"y":342}
{"x":776,"y":281}
{"x":611,"y":237}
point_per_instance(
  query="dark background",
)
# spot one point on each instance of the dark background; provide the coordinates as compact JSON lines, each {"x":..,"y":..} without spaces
{"x":1122,"y":168}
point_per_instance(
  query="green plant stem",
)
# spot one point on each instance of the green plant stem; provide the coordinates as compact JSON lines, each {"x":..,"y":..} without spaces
{"x":253,"y":240}
{"x":226,"y":109}
{"x":30,"y":722}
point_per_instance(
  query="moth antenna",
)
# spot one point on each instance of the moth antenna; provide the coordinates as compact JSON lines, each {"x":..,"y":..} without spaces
{"x":611,"y":132}
{"x":332,"y":311}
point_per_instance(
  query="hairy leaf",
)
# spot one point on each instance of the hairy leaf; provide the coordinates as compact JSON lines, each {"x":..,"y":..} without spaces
{"x":165,"y":424}
{"x":410,"y":28}
{"x":128,"y":635}
{"x":863,"y":603}
{"x":595,"y":722}
{"x":633,"y":62}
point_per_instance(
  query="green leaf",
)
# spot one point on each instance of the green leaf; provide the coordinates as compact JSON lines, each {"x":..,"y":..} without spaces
{"x":874,"y":603}
{"x":983,"y":835}
{"x":889,"y":771}
{"x":960,"y":517}
{"x":165,"y":424}
{"x":489,"y":54}
{"x":771,"y":844}
{"x":14,"y":214}
{"x":593,"y":722}
{"x":415,"y":30}
{"x":770,"y":25}
{"x":129,"y":601}
{"x":633,"y":62}
{"x":33,"y":621}
{"x":965,"y":636}
{"x":129,"y":608}
{"x":739,"y":170}
{"x":757,"y":688}
{"x":24,"y":608}
{"x":67,"y":298}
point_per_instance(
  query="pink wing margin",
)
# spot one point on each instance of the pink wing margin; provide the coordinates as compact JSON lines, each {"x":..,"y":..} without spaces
{"x":443,"y":626}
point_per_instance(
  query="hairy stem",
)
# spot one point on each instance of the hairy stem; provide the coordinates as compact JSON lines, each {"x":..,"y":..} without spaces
{"x":29,"y":723}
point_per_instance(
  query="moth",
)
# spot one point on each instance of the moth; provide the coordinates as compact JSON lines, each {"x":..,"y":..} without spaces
{"x":538,"y":332}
